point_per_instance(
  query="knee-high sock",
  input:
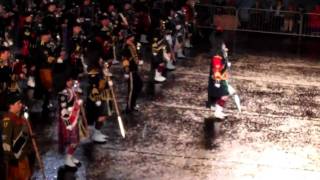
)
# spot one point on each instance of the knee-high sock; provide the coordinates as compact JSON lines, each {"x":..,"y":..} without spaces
{"x":71,"y":149}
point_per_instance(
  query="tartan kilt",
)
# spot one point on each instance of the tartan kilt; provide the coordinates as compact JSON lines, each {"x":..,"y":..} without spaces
{"x":215,"y":92}
{"x":67,"y":137}
{"x":20,"y":171}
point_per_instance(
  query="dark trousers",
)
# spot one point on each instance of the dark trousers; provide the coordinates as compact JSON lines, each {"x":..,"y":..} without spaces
{"x":135,"y":85}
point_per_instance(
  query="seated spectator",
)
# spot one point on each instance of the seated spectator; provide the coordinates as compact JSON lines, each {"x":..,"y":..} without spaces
{"x":289,"y":17}
{"x":256,"y":15}
{"x":277,"y":16}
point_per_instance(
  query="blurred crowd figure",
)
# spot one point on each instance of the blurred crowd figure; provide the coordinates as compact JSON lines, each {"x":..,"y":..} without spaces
{"x":282,"y":16}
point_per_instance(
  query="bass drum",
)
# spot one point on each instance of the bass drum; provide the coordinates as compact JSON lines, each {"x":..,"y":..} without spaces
{"x":46,"y":79}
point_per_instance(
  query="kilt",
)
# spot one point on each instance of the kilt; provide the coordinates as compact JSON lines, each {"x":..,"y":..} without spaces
{"x":20,"y":172}
{"x":156,"y":60}
{"x":215,"y":92}
{"x":46,"y":78}
{"x":93,"y":112}
{"x":67,"y":137}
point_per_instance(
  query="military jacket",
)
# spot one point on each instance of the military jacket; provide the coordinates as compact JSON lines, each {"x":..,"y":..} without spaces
{"x":16,"y":141}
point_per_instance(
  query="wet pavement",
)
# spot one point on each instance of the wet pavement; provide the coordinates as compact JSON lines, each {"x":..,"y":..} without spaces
{"x":277,"y":136}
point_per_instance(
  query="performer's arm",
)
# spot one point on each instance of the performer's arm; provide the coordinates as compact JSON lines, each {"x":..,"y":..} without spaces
{"x":7,"y":130}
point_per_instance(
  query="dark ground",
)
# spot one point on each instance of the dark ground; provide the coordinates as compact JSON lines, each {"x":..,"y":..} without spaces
{"x":277,"y":136}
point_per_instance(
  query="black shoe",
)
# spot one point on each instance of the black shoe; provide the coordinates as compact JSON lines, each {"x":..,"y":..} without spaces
{"x":66,"y":173}
{"x":135,"y":110}
{"x":70,"y":169}
{"x":78,"y":164}
{"x":128,"y":111}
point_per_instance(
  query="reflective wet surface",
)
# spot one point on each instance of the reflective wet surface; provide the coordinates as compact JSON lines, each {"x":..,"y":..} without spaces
{"x":277,"y":135}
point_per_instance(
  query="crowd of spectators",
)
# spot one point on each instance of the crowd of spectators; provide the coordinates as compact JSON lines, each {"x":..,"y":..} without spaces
{"x":269,"y":15}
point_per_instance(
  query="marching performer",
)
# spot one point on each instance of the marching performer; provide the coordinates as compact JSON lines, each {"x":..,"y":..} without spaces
{"x":189,"y":11}
{"x":98,"y":102}
{"x":28,"y":41}
{"x":144,"y":22}
{"x":87,"y":16}
{"x":178,"y":19}
{"x":217,"y":86}
{"x":45,"y":57}
{"x":168,"y":54}
{"x":16,"y":140}
{"x":157,"y":59}
{"x":28,"y":36}
{"x":104,"y":38}
{"x":52,"y":20}
{"x":78,"y":43}
{"x":130,"y":64}
{"x":71,"y":121}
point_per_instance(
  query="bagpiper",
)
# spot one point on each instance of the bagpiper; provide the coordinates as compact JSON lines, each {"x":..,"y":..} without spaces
{"x":45,"y":57}
{"x":52,"y":20}
{"x":72,"y":121}
{"x":217,"y":86}
{"x":87,"y":16}
{"x":78,"y":43}
{"x":28,"y":36}
{"x":104,"y":38}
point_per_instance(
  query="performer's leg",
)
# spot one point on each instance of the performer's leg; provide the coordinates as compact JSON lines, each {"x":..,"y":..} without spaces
{"x":72,"y":149}
{"x":179,"y":47}
{"x":47,"y":105}
{"x":69,"y":157}
{"x":159,"y":73}
{"x":97,"y":134}
{"x":219,"y":107}
{"x":169,"y":61}
{"x":212,"y":101}
{"x":137,"y":87}
{"x":130,"y":93}
{"x":135,"y":93}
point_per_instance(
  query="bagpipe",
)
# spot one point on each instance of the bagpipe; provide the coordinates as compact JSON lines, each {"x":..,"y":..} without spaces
{"x":75,"y":115}
{"x":165,"y":46}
